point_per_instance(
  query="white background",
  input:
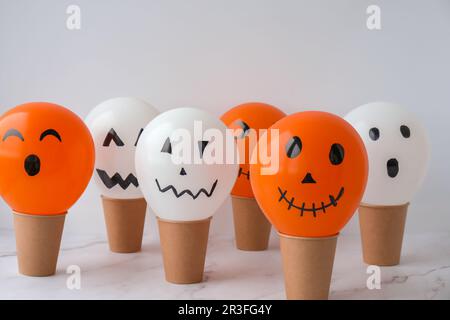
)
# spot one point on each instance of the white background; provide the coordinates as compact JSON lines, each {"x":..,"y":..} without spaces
{"x":214,"y":54}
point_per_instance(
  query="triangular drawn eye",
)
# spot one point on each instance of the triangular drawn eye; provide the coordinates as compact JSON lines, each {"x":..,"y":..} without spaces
{"x":245,"y":128}
{"x":112,"y":136}
{"x":294,"y":147}
{"x":167,"y":147}
{"x":202,"y":145}
{"x":139,"y":136}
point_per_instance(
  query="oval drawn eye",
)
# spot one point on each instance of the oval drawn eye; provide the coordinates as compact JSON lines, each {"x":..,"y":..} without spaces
{"x":167,"y":147}
{"x":294,"y":147}
{"x":374,"y":134}
{"x":245,"y":128}
{"x":337,"y":154}
{"x":406,"y":132}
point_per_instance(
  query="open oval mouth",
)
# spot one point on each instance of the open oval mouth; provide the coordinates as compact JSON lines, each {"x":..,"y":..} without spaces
{"x":32,"y":165}
{"x":393,"y":168}
{"x":315,"y":208}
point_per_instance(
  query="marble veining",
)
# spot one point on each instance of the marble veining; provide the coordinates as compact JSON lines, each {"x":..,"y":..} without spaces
{"x":424,"y":272}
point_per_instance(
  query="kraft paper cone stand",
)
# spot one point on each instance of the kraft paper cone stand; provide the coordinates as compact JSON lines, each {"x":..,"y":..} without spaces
{"x":124,"y":220}
{"x":307,"y":265}
{"x":251,"y":227}
{"x":382,"y":229}
{"x":183,"y":245}
{"x":38,"y":239}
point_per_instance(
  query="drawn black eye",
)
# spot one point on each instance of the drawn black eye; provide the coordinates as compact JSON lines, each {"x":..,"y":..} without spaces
{"x":138,"y":137}
{"x":13,"y":133}
{"x":112,"y":136}
{"x":245,"y":128}
{"x":50,"y":132}
{"x":201,"y":146}
{"x":337,"y":154}
{"x":294,"y":147}
{"x":167,"y":147}
{"x":406,"y":132}
{"x":374,"y":134}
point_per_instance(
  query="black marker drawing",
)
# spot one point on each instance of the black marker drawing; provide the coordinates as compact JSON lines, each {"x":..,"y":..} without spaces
{"x":13,"y":133}
{"x":244,"y":173}
{"x":245,"y":128}
{"x":112,"y":136}
{"x":314,"y":209}
{"x":139,"y":136}
{"x":393,"y":168}
{"x":188,"y":192}
{"x":406,"y":132}
{"x":50,"y":132}
{"x":117,"y":179}
{"x":32,"y":165}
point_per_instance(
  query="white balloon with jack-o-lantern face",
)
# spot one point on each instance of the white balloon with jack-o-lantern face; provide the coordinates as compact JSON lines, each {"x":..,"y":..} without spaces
{"x":116,"y":126}
{"x":398,"y":151}
{"x":185,"y":187}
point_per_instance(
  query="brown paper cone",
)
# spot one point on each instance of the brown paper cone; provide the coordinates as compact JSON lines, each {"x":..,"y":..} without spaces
{"x":251,"y":227}
{"x":125,"y":220}
{"x":307,"y":265}
{"x":183,"y":246}
{"x":382,"y":230}
{"x":38,"y":239}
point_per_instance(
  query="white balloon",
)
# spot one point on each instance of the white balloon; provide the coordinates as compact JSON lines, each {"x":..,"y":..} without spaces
{"x":398,"y":150}
{"x":186,"y":191}
{"x":116,"y":126}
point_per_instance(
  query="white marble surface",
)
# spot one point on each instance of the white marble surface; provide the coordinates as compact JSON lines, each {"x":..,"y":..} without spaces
{"x":229,"y":273}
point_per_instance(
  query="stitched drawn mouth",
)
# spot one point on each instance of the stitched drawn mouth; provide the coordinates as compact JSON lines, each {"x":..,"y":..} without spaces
{"x":242,"y":172}
{"x":314,"y":209}
{"x":117,"y":179}
{"x":189,"y":192}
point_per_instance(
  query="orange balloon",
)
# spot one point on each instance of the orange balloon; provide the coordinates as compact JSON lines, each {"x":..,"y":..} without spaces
{"x":321,"y":177}
{"x":248,"y":116}
{"x":46,"y":158}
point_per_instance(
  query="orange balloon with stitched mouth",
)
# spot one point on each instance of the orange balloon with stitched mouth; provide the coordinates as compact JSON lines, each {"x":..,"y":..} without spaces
{"x":321,"y":177}
{"x":243,"y":118}
{"x":46,"y":158}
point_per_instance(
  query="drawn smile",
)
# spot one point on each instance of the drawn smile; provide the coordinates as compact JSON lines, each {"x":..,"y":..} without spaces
{"x":188,"y":192}
{"x":117,"y":179}
{"x":314,"y":208}
{"x":242,"y":172}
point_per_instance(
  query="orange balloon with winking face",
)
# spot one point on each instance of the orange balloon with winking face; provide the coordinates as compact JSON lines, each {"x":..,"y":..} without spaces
{"x":46,"y":158}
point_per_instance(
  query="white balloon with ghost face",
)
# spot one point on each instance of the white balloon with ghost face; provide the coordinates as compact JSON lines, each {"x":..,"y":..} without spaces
{"x":398,"y":151}
{"x":185,"y":190}
{"x":116,"y":126}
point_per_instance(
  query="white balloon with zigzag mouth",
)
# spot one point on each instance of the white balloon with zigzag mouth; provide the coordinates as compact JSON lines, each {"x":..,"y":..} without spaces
{"x":116,"y":126}
{"x":184,"y":191}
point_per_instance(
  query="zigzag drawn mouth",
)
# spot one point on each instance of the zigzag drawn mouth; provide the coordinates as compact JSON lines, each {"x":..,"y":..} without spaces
{"x":314,"y":209}
{"x":117,"y":179}
{"x":189,"y":192}
{"x":242,"y":172}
